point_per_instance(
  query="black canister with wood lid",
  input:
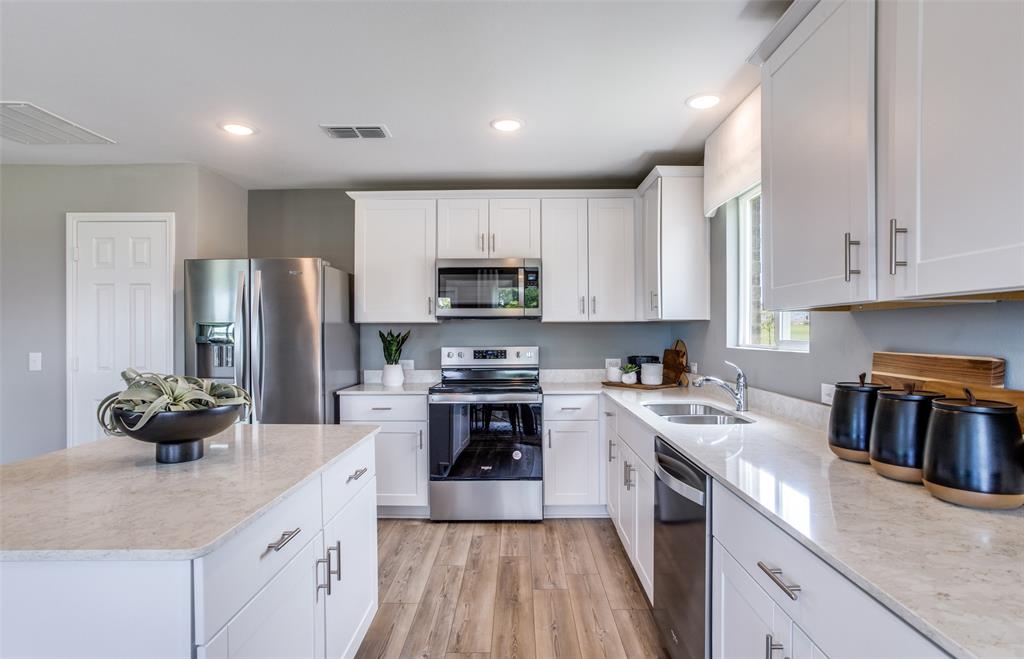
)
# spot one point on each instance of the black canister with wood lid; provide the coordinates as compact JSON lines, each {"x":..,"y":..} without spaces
{"x":849,"y":423}
{"x":898,"y":432}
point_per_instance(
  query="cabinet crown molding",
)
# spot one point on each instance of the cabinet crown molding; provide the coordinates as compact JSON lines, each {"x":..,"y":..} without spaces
{"x":594,"y":193}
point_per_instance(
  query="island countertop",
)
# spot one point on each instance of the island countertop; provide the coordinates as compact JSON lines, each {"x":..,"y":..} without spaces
{"x":110,"y":500}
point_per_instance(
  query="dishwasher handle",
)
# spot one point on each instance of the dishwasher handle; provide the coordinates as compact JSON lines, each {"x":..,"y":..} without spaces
{"x":678,"y":486}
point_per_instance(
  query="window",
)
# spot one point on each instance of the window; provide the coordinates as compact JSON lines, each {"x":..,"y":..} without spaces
{"x":754,"y":327}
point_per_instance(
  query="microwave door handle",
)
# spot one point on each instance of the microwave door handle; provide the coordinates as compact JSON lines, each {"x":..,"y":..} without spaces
{"x":522,"y":289}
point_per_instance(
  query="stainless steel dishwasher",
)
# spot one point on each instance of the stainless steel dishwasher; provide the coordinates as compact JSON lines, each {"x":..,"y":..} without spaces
{"x":682,"y":554}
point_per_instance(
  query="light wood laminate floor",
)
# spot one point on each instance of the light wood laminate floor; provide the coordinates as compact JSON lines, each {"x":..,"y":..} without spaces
{"x":463,"y":590}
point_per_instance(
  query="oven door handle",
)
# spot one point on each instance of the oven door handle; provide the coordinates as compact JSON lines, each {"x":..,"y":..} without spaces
{"x":678,"y":486}
{"x":442,"y":399}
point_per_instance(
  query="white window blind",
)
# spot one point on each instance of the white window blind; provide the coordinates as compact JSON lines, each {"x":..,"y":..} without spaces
{"x":732,"y":155}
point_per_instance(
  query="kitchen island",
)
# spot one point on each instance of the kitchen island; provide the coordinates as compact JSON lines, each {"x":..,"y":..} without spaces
{"x":267,"y":542}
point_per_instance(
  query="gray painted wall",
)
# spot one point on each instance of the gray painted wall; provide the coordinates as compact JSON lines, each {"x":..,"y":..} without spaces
{"x":303,"y":223}
{"x":562,"y":345}
{"x":34,"y":201}
{"x":842,"y":342}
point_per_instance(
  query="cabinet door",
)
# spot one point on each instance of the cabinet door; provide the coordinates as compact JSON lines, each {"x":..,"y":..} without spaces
{"x":956,"y":148}
{"x":395,"y":246}
{"x":564,"y":254}
{"x":462,"y":228}
{"x":611,"y":273}
{"x":818,"y":160}
{"x":352,"y":603}
{"x":515,"y":228}
{"x":686,"y":235}
{"x":802,"y":647}
{"x":402,"y":464}
{"x":285,"y":619}
{"x":612,"y":474}
{"x":643,"y":561}
{"x":652,"y":251}
{"x":572,"y":462}
{"x":627,"y":498}
{"x":741,"y":614}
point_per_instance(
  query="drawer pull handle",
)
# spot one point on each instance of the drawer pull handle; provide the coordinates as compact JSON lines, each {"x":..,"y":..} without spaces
{"x":770,"y":646}
{"x":326,"y":562}
{"x":331,"y":571}
{"x":611,"y":456}
{"x":285,"y":538}
{"x":775,"y":574}
{"x":356,"y":475}
{"x":380,"y":409}
{"x":571,"y":409}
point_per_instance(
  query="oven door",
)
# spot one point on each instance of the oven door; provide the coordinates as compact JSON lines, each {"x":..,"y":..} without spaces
{"x":487,"y":288}
{"x":492,"y":441}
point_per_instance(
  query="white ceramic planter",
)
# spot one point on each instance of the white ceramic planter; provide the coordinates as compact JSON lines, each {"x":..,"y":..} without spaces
{"x":393,"y":375}
{"x":651,"y":373}
{"x":613,"y":374}
{"x":629,"y":378}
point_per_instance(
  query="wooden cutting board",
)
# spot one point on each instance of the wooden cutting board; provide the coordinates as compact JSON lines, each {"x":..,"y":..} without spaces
{"x":674,"y":361}
{"x":948,"y":374}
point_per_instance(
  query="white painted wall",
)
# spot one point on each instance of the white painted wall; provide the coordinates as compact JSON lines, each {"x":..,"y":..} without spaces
{"x":209,"y":213}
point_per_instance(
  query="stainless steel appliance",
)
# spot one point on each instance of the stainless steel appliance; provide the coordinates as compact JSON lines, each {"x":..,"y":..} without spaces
{"x":488,"y":288}
{"x":279,"y":327}
{"x":682,"y":553}
{"x":486,"y":433}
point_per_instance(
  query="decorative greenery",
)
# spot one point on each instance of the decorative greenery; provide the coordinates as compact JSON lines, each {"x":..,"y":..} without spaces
{"x":630,"y":368}
{"x":392,"y":344}
{"x":151,"y":393}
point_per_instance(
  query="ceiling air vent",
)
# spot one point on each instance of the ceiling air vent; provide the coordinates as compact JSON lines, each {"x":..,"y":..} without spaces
{"x":30,"y":124}
{"x":355,"y":132}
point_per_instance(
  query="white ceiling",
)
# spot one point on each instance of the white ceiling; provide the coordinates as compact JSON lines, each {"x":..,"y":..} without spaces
{"x":600,"y":86}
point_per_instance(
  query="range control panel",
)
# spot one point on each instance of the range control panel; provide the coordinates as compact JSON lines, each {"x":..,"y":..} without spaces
{"x":504,"y":356}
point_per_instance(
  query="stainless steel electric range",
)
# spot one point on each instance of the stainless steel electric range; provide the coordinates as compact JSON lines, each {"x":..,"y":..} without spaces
{"x":486,"y":435}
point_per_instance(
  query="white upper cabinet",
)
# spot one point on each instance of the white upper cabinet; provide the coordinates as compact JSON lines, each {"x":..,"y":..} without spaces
{"x":395,"y":248}
{"x":462,"y":229}
{"x":612,"y":275}
{"x":818,"y":157}
{"x":515,"y":228}
{"x":676,"y":246}
{"x":564,"y":257}
{"x":951,"y":147}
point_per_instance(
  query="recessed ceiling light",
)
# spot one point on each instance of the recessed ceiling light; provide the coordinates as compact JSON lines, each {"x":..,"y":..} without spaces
{"x":237,"y":129}
{"x":507,"y":125}
{"x":702,"y":101}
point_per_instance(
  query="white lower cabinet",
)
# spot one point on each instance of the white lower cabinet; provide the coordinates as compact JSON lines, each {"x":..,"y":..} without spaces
{"x":572,"y":463}
{"x":741,"y":612}
{"x":402,"y":466}
{"x":643,"y":562}
{"x":352,"y":600}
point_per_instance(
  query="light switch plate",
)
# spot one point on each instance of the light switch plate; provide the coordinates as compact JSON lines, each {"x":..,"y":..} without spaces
{"x":35,"y":361}
{"x":407,"y":364}
{"x":827,"y":392}
{"x":612,"y":363}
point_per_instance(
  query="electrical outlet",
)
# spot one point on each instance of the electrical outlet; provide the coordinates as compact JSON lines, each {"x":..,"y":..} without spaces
{"x":693,"y":367}
{"x":612,"y":363}
{"x":827,"y":392}
{"x":35,"y":361}
{"x":407,"y":364}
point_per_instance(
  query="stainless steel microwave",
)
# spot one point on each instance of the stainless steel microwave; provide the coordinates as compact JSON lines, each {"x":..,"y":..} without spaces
{"x":488,"y":288}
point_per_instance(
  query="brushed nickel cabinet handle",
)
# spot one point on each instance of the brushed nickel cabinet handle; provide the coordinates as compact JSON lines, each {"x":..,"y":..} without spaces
{"x":356,"y":475}
{"x":285,"y":538}
{"x":593,"y":304}
{"x":326,"y":562}
{"x":894,"y":230}
{"x":549,"y":438}
{"x":775,"y":574}
{"x":611,"y":445}
{"x":770,"y":646}
{"x":492,"y":243}
{"x":583,"y":305}
{"x":847,"y":244}
{"x":330,"y":570}
{"x":380,"y":409}
{"x":483,"y":246}
{"x":421,"y":439}
{"x":430,"y":306}
{"x":571,"y":409}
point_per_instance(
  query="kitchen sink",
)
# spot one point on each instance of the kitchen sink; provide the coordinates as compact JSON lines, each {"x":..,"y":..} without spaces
{"x":695,"y":414}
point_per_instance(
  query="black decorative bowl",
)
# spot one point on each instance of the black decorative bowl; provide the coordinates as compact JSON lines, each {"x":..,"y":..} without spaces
{"x":178,"y":435}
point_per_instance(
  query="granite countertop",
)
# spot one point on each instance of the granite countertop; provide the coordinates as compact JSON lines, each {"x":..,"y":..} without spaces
{"x":953,"y":573}
{"x":109,"y":500}
{"x":409,"y":388}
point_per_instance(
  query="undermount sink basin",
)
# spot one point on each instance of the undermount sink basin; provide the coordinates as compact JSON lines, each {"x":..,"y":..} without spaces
{"x":695,"y":414}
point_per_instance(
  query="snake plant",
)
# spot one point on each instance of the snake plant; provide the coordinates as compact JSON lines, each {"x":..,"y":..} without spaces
{"x":150,"y":393}
{"x":392,"y":344}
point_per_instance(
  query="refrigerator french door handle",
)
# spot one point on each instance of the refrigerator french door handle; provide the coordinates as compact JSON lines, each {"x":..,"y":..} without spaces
{"x":240,"y":332}
{"x":257,"y":355}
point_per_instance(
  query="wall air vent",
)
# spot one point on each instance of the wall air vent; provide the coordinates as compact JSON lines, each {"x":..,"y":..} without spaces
{"x":30,"y":124}
{"x":355,"y":132}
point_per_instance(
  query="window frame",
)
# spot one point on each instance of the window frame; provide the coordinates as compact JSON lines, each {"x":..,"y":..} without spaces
{"x":739,"y":288}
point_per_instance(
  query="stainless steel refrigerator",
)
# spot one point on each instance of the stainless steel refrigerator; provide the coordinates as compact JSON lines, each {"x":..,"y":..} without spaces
{"x":282,"y":328}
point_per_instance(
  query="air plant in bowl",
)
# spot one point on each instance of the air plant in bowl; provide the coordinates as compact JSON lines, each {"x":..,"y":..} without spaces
{"x":629,"y":372}
{"x":175,"y":412}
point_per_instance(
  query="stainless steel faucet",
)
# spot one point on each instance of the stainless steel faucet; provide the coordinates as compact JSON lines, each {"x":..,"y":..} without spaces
{"x":739,"y":394}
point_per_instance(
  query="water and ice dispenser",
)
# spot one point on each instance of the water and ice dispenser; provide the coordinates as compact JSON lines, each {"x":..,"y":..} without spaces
{"x":215,"y":350}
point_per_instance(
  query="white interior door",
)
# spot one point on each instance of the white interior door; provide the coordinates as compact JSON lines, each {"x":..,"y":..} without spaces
{"x":119,"y":305}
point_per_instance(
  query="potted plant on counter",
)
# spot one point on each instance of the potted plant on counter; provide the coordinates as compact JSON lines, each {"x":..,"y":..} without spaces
{"x":392,"y":344}
{"x":172,"y":411}
{"x":629,"y":373}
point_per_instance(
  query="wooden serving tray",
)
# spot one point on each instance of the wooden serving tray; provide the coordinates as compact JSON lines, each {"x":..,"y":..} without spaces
{"x":646,"y":387}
